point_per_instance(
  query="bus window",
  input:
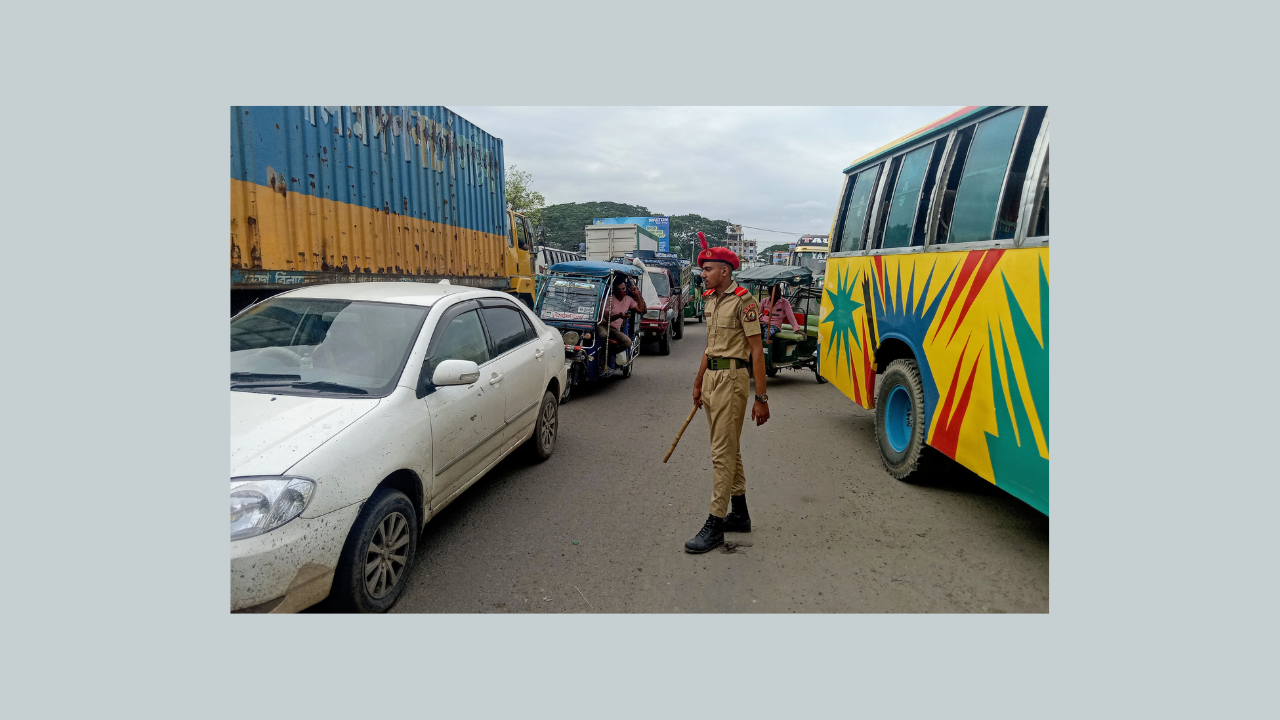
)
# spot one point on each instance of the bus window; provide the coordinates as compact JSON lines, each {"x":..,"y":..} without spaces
{"x":963,"y":139}
{"x":1042,"y":217}
{"x":882,"y":209}
{"x":926,"y":193}
{"x":855,"y":216}
{"x":974,"y":215}
{"x":906,"y":198}
{"x":1007,"y":221}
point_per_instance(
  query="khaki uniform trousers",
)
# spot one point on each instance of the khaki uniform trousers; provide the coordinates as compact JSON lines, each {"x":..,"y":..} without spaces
{"x":724,"y":396}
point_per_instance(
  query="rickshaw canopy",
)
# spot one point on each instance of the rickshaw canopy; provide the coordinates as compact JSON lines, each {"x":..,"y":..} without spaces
{"x":767,"y":274}
{"x":595,"y":268}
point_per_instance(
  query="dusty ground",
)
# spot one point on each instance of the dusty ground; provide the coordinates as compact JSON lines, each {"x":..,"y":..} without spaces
{"x":600,"y":527}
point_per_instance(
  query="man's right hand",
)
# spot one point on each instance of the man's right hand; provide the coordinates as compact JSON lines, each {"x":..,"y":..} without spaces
{"x":697,"y":396}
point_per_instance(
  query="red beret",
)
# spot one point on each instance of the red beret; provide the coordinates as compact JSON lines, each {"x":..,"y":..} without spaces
{"x":719,"y":253}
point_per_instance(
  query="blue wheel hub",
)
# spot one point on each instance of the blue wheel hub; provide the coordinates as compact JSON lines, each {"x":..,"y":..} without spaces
{"x":898,"y":420}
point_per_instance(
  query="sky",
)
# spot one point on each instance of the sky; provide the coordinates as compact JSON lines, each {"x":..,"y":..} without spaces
{"x":777,"y":168}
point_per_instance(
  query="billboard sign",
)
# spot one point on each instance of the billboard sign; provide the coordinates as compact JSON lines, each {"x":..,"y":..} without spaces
{"x":660,"y":226}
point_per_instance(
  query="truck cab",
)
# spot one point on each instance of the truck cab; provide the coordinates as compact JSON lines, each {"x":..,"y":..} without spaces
{"x":519,"y":260}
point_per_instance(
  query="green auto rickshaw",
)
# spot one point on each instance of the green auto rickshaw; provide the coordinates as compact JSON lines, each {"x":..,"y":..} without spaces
{"x":791,"y":347}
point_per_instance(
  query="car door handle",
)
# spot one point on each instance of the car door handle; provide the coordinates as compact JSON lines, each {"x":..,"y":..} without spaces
{"x":538,"y":353}
{"x":497,"y":378}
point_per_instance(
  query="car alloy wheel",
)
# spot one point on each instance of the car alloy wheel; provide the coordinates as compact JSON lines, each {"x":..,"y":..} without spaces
{"x":386,"y":557}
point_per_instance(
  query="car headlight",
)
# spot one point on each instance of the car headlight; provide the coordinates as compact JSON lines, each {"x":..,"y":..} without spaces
{"x":262,"y":504}
{"x":653,"y":315}
{"x":570,"y":338}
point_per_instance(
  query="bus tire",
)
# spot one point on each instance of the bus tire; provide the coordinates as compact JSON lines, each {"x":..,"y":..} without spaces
{"x":900,"y":426}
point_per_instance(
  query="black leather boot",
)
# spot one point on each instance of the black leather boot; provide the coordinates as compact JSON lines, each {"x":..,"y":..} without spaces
{"x":708,"y":538}
{"x":738,"y":520}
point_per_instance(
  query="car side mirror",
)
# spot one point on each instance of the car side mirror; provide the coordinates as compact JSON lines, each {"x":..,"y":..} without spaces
{"x":455,"y":372}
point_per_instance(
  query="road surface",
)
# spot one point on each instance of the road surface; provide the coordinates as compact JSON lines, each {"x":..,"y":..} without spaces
{"x":600,"y":527}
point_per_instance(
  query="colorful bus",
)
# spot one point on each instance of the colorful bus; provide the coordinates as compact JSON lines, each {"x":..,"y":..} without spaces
{"x":935,"y":312}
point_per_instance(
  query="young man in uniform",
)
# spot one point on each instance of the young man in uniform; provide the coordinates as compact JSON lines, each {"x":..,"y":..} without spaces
{"x":722,"y":386}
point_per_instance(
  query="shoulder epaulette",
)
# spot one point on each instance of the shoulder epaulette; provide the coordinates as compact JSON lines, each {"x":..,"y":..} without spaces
{"x":709,"y":292}
{"x":741,"y":291}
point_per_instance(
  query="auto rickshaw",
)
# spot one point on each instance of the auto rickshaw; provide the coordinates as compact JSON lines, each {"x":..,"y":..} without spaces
{"x":575,"y":298}
{"x":792,"y":348}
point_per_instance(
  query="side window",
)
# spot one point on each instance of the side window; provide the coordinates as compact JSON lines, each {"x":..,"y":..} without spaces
{"x":522,"y":233}
{"x":906,"y":198}
{"x":463,"y":339}
{"x":1041,"y":227}
{"x":875,"y":234}
{"x":529,"y":333}
{"x":973,"y":215}
{"x":855,"y":215}
{"x":506,"y":329}
{"x":1007,"y":221}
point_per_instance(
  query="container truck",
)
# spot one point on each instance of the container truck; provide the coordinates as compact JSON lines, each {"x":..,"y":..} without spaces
{"x":610,"y":241}
{"x":323,"y":194}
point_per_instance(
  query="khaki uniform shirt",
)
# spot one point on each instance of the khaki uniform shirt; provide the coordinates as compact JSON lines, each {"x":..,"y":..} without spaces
{"x":732,"y":317}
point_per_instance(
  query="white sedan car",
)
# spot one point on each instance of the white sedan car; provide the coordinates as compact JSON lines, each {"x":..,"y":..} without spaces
{"x":358,"y":411}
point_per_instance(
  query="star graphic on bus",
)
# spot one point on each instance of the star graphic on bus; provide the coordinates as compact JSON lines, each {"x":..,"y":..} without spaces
{"x":841,"y":317}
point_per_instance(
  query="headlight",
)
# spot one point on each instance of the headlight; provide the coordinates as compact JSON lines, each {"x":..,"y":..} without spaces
{"x":570,"y":338}
{"x":653,"y":315}
{"x":262,"y":504}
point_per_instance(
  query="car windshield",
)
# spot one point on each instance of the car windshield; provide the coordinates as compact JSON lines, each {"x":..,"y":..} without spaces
{"x":306,"y":346}
{"x":570,"y":299}
{"x":660,"y":283}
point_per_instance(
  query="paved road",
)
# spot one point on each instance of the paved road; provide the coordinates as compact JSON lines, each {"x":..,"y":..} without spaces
{"x":600,"y":527}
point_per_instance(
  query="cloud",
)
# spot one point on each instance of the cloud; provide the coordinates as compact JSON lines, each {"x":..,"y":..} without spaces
{"x":769,"y":167}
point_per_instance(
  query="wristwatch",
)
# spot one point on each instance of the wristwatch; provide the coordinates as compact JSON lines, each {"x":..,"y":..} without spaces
{"x":763,"y":398}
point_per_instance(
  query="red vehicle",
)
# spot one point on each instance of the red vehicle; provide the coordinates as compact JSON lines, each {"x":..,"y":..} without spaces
{"x":664,"y":321}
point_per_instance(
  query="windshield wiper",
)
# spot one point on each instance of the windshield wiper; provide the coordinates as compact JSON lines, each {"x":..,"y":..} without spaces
{"x":330,"y":386}
{"x":252,"y":376}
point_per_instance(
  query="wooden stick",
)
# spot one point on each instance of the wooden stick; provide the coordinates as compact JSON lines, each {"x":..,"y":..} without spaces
{"x":682,"y":427}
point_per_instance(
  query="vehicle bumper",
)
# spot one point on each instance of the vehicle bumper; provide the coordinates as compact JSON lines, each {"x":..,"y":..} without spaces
{"x":292,"y":564}
{"x":654,"y":328}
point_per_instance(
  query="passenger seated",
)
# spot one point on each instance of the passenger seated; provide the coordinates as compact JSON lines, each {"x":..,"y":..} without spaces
{"x":626,"y":297}
{"x":775,"y":310}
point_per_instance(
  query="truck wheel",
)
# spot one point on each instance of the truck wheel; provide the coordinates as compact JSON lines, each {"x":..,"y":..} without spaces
{"x":664,"y":343}
{"x":377,"y":556}
{"x":679,"y":332}
{"x":900,"y":421}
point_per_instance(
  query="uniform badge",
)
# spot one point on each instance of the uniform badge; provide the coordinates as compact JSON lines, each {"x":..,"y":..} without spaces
{"x":751,"y":313}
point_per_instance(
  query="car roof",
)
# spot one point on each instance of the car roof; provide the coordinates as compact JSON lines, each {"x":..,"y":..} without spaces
{"x":405,"y":293}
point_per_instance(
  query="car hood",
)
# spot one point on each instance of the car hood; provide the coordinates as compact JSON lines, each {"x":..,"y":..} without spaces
{"x":271,"y":433}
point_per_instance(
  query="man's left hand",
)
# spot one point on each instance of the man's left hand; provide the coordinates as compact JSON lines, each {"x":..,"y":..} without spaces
{"x":760,"y":413}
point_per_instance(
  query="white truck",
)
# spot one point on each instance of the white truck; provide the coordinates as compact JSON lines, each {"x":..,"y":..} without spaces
{"x":605,"y":242}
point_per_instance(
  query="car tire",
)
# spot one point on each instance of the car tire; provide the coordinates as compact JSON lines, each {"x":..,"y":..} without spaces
{"x":664,"y":343}
{"x":900,"y":421}
{"x":545,"y":429}
{"x":679,"y":328}
{"x":387,"y":518}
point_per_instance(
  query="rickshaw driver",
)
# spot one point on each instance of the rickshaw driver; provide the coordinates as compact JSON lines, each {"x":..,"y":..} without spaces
{"x":733,"y":331}
{"x":625,"y":297}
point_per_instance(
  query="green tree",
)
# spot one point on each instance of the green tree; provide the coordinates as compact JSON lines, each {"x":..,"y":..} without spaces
{"x":563,"y":226}
{"x":769,"y":251}
{"x":521,"y":196}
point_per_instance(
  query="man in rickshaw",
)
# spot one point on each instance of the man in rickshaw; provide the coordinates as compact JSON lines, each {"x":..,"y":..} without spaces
{"x":626,"y":297}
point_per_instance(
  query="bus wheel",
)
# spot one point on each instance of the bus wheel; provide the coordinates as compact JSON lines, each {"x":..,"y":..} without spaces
{"x":900,"y":425}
